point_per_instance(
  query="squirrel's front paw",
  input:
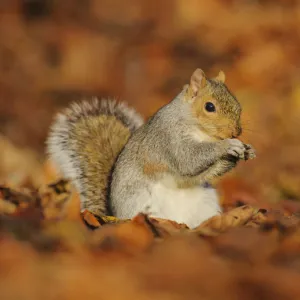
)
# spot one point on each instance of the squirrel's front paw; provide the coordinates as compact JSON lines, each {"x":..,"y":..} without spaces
{"x":250,"y":152}
{"x":235,"y":148}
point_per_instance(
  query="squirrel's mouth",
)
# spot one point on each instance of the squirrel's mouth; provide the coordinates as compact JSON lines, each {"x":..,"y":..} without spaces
{"x":229,"y":134}
{"x":220,"y":135}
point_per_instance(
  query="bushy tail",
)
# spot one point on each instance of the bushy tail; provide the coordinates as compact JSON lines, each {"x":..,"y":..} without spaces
{"x":84,"y":143}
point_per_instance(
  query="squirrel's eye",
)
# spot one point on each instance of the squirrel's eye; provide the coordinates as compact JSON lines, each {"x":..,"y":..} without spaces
{"x":210,"y":107}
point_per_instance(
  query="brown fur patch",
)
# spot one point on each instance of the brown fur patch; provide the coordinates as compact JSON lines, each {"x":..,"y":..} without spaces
{"x":151,"y":169}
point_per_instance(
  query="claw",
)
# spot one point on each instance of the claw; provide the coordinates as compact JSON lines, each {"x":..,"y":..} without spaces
{"x":250,"y":152}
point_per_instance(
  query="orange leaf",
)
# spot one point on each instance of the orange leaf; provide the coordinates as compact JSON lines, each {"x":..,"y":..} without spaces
{"x":90,"y":219}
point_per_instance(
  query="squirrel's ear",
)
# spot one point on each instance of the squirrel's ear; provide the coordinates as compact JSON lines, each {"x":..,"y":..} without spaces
{"x":221,"y":77}
{"x":198,"y":81}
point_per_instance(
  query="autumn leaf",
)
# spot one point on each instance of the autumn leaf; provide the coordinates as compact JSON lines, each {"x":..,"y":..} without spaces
{"x":233,"y":218}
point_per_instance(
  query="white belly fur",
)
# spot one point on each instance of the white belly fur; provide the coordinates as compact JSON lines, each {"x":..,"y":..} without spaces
{"x":190,"y":206}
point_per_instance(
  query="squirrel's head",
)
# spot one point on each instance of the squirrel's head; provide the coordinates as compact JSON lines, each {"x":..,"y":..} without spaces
{"x":216,"y":109}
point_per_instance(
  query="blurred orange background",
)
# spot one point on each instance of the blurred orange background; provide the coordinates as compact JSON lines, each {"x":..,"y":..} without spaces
{"x":53,"y":52}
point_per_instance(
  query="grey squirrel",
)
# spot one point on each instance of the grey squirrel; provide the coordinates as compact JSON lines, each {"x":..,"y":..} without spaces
{"x":123,"y":166}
